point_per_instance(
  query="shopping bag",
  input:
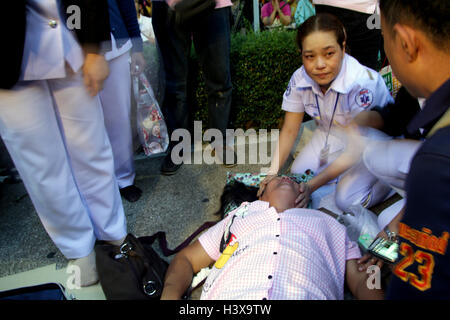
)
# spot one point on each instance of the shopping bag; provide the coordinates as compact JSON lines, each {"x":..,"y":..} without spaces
{"x":151,"y":127}
{"x":305,"y":9}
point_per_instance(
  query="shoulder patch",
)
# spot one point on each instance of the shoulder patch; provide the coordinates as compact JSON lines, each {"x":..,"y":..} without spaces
{"x":290,"y":85}
{"x":364,"y":98}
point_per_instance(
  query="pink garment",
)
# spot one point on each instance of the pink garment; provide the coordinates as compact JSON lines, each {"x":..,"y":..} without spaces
{"x":219,"y":3}
{"x":298,"y":254}
{"x":267,"y":9}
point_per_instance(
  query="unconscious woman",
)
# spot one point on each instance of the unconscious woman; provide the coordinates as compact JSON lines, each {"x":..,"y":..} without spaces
{"x":332,"y":87}
{"x":266,"y":249}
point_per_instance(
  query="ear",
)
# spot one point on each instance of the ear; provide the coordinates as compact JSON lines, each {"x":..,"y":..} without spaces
{"x":407,"y":40}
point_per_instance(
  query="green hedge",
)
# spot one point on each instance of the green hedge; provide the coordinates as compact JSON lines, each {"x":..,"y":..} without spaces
{"x":261,"y":66}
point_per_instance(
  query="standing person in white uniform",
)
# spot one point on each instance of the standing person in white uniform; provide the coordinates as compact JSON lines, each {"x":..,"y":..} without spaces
{"x":116,"y":94}
{"x":51,"y":121}
{"x":332,"y":87}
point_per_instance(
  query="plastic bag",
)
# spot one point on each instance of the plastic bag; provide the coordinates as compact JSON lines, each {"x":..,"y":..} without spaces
{"x":360,"y":221}
{"x":151,"y":127}
{"x":304,"y":10}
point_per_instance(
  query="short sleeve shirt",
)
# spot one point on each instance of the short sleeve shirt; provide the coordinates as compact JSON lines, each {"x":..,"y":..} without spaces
{"x":297,"y":254}
{"x":359,"y":87}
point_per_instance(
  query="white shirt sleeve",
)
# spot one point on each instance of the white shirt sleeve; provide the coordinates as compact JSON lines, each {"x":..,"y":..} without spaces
{"x":292,"y":98}
{"x":369,"y":93}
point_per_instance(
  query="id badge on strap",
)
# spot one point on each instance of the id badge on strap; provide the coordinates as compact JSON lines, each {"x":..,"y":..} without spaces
{"x":323,"y":157}
{"x":324,"y":153}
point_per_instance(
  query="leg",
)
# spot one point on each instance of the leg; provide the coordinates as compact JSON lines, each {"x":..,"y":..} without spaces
{"x":359,"y":186}
{"x":212,"y":43}
{"x":116,"y":103}
{"x":90,"y":156}
{"x":30,"y":130}
{"x":175,"y":44}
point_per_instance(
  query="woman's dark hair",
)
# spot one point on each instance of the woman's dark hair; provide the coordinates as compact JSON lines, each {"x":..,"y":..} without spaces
{"x":234,"y":194}
{"x":322,"y":22}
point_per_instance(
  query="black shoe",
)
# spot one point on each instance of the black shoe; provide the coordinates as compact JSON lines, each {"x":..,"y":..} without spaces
{"x":169,"y":168}
{"x":131,"y":193}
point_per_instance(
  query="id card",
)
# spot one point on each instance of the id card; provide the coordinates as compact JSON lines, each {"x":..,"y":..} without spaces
{"x":323,"y":157}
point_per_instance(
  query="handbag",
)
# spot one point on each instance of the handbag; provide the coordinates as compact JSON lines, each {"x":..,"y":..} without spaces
{"x":132,"y":271}
{"x":186,"y":10}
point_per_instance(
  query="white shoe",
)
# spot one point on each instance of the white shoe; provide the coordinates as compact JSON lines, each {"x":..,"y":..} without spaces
{"x":87,"y":275}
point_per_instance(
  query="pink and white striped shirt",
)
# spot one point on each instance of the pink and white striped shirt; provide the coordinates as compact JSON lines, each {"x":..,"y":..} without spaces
{"x":298,"y":254}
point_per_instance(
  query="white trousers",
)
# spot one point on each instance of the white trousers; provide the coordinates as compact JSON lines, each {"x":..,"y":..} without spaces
{"x":55,"y":134}
{"x":116,"y":102}
{"x":356,"y":185}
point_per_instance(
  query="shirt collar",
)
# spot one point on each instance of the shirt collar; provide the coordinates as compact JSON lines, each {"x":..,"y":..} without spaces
{"x":435,"y":106}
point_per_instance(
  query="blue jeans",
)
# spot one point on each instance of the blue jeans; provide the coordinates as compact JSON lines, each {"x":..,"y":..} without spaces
{"x":211,"y":36}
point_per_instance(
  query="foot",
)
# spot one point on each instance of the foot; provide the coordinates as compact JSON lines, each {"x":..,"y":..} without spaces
{"x":168,"y":167}
{"x":87,"y":268}
{"x":131,"y":193}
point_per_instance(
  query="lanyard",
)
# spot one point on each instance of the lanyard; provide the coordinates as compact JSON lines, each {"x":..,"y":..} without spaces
{"x":332,"y":116}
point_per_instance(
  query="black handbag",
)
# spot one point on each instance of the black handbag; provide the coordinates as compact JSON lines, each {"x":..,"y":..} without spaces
{"x":186,"y":10}
{"x":132,"y":271}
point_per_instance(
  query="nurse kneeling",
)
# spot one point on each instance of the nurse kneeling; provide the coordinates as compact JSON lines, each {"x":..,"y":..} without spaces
{"x":332,"y":87}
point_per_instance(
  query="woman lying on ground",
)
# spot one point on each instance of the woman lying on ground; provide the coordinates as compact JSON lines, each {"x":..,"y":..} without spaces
{"x":268,"y":249}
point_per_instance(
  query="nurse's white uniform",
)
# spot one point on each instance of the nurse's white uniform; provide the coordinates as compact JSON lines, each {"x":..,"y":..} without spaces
{"x":55,"y":135}
{"x":355,"y":89}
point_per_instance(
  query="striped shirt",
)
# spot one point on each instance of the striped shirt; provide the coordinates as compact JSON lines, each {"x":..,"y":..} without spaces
{"x":297,"y":254}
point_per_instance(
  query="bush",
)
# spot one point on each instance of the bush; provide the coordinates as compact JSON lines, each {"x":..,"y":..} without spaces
{"x":261,"y":67}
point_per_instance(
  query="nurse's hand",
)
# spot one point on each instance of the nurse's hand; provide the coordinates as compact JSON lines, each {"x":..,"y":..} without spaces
{"x":304,"y":196}
{"x":263,"y":184}
{"x":95,"y":72}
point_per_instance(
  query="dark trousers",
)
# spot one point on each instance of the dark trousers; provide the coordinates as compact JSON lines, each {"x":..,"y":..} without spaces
{"x":364,"y":44}
{"x":210,"y":34}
